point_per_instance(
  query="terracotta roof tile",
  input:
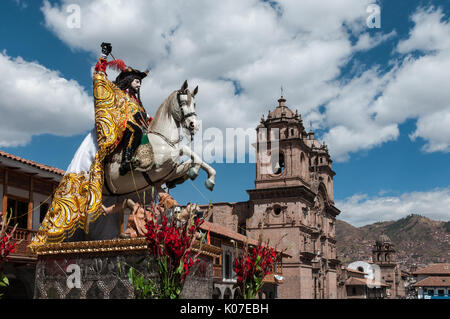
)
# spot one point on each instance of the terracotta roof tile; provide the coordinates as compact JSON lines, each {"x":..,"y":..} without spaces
{"x":32,"y":163}
{"x":352,"y":281}
{"x":435,"y":269}
{"x":356,"y":271}
{"x":434,"y":281}
{"x":224,"y":231}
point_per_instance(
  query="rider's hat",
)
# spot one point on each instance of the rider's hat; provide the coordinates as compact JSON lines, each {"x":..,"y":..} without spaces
{"x":128,"y":71}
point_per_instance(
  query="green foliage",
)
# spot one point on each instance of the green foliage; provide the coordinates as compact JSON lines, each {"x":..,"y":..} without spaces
{"x":4,"y":282}
{"x":144,"y":288}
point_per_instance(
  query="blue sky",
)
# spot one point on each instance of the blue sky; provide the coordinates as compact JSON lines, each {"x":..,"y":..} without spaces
{"x":387,"y":131}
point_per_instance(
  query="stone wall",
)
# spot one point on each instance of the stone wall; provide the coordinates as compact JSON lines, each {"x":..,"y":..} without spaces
{"x":104,"y":275}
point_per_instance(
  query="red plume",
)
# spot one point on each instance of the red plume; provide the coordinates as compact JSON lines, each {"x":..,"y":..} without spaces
{"x":118,"y":65}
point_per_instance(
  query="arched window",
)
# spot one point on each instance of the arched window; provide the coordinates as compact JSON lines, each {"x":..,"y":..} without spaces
{"x":227,"y":294}
{"x":303,"y":166}
{"x":216,"y":293}
{"x":278,"y":164}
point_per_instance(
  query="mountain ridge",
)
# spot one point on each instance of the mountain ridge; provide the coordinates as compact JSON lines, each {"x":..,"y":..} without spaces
{"x":418,"y":240}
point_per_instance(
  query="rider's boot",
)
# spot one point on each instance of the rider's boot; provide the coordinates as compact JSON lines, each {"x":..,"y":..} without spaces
{"x":126,"y":164}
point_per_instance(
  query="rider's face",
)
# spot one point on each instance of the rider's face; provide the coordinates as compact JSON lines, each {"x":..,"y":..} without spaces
{"x":136,"y":84}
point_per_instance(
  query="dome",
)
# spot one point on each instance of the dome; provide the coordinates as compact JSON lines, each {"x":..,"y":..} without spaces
{"x":281,"y":110}
{"x":383,"y":239}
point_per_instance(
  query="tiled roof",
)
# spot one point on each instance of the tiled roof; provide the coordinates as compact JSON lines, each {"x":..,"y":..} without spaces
{"x":435,"y":269}
{"x":434,"y":281}
{"x":352,"y":281}
{"x":356,"y":271}
{"x":226,"y":232}
{"x":34,"y":164}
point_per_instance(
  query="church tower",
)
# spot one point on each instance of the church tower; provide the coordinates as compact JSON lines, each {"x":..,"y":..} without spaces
{"x":383,"y":252}
{"x":384,"y":255}
{"x":293,"y":203}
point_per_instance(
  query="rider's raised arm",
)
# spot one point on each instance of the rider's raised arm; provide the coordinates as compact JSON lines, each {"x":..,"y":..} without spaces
{"x":110,"y":109}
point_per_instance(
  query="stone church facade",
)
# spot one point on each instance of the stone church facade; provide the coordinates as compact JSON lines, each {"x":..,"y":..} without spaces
{"x":292,"y":204}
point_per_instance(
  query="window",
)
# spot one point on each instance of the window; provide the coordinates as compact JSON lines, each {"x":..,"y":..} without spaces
{"x":430,"y":292}
{"x":441,"y":292}
{"x":277,"y":210}
{"x":227,"y":265}
{"x":19,"y":210}
{"x":278,"y":164}
{"x":242,"y":229}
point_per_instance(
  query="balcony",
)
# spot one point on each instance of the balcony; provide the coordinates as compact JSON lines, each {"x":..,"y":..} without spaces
{"x":22,"y":253}
{"x":217,"y":272}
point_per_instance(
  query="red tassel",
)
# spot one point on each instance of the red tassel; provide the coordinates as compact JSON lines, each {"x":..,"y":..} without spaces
{"x":117,"y":65}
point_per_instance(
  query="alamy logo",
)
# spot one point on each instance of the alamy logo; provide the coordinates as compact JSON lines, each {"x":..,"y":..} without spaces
{"x":373,"y":273}
{"x":74,"y":279}
{"x":374,"y":19}
{"x":74,"y":19}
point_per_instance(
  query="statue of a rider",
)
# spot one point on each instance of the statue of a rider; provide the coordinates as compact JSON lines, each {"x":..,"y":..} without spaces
{"x":119,"y":118}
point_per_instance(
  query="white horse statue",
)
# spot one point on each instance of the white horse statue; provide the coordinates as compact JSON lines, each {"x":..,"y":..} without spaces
{"x":158,"y":161}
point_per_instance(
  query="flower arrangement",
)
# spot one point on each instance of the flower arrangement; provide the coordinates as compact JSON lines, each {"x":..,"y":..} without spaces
{"x":254,"y":264}
{"x":171,"y":245}
{"x":170,"y":238}
{"x":251,"y":268}
{"x":7,"y":246}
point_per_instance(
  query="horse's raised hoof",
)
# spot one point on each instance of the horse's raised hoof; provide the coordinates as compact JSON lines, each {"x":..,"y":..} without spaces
{"x":209,"y":184}
{"x":193,"y":173}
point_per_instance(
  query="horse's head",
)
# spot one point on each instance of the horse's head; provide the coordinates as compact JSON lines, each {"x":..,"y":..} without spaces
{"x":186,"y":109}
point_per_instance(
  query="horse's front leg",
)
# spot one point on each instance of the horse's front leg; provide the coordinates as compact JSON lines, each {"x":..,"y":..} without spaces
{"x":196,"y":163}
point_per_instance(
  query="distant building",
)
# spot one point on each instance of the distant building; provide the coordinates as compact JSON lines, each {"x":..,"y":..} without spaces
{"x":353,"y":284}
{"x":433,"y":281}
{"x":384,"y":255}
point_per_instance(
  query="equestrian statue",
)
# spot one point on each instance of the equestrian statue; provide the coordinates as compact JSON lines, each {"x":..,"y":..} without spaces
{"x":126,"y":152}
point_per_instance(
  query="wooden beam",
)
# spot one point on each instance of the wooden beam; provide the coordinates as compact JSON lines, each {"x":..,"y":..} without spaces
{"x":12,"y":167}
{"x":5,"y":190}
{"x":30,"y":174}
{"x":30,"y":204}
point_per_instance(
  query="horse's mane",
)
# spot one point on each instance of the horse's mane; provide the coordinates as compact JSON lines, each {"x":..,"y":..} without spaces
{"x":164,"y":108}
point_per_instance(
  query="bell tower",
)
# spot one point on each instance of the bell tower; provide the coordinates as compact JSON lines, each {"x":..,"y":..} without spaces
{"x":292,"y":203}
{"x":282,"y":155}
{"x":383,"y":252}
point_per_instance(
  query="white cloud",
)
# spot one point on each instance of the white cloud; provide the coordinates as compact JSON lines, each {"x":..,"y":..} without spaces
{"x":419,"y":89}
{"x":36,"y":100}
{"x":367,"y":42}
{"x":435,"y":128}
{"x":361,"y":209}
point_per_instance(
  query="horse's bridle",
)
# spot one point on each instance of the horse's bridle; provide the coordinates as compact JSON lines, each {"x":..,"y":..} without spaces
{"x":181,"y":103}
{"x":184,"y":116}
